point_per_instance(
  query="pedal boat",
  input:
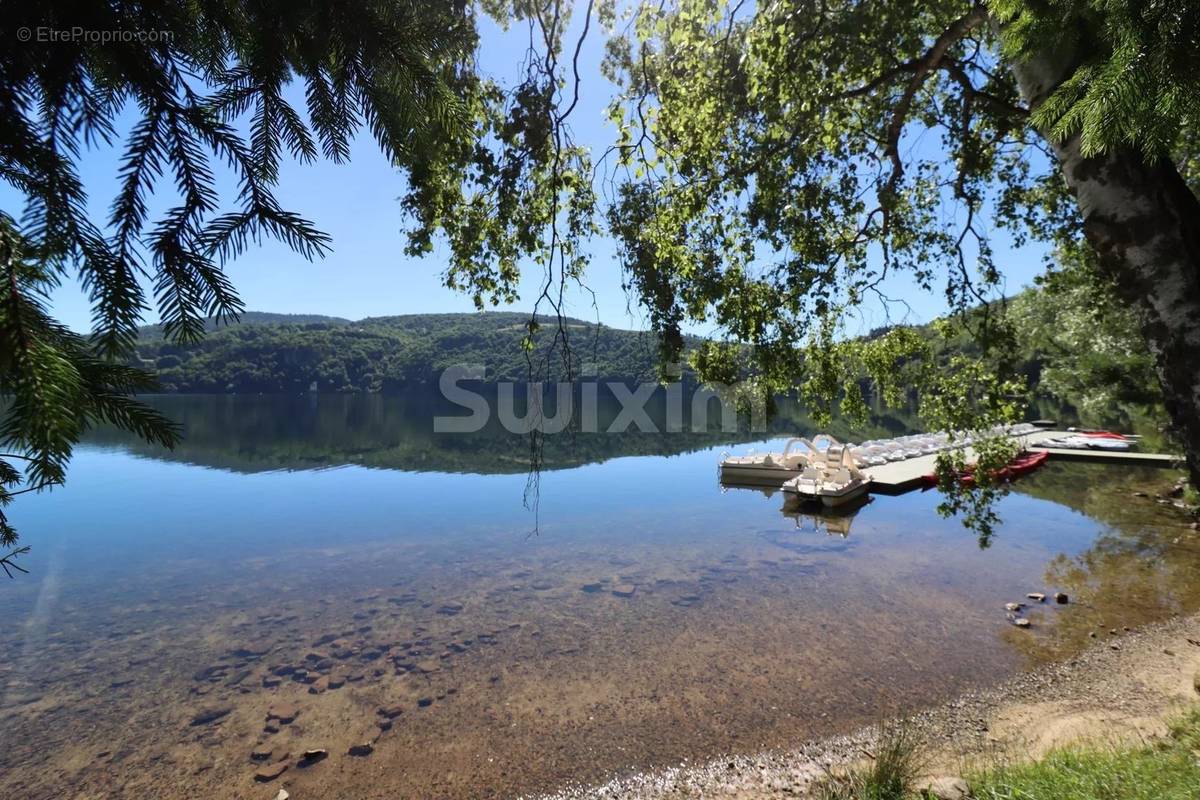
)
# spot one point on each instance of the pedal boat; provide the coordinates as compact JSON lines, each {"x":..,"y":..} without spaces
{"x":837,"y":481}
{"x":768,"y":469}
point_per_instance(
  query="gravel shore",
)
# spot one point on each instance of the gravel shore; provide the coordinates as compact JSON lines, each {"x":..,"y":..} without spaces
{"x":1124,"y":688}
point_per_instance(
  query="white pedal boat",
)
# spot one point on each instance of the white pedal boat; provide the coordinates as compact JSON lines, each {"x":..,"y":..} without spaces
{"x":772,"y":469}
{"x":836,"y":481}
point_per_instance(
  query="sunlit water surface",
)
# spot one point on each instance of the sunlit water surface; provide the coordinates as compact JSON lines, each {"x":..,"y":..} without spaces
{"x":650,"y":617}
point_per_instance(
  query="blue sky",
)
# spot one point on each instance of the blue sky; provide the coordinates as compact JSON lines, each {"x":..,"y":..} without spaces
{"x":367,"y":273}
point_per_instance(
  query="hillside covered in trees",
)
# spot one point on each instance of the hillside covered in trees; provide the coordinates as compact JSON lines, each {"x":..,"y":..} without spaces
{"x":1065,"y":347}
{"x":274,"y":353}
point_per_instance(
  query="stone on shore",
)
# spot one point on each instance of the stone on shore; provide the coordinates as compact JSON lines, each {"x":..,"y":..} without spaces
{"x":1061,"y":598}
{"x":1021,"y":622}
{"x":947,"y":788}
{"x":361,"y":750}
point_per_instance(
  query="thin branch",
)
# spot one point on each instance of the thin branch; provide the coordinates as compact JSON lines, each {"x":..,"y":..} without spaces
{"x":8,"y":561}
{"x":926,"y":64}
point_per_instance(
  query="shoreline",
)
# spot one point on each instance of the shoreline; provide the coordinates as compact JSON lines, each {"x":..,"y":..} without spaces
{"x":1121,"y":689}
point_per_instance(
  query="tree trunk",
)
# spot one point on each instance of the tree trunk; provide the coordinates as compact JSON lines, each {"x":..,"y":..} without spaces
{"x":1144,"y":223}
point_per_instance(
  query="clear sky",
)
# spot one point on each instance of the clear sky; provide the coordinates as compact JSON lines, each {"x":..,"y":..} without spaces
{"x":367,"y":273}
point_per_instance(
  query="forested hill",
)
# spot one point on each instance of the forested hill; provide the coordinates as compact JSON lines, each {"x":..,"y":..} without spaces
{"x":289,"y":353}
{"x":1059,"y":352}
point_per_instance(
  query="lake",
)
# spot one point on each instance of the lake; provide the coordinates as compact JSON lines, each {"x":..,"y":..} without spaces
{"x":326,"y":572}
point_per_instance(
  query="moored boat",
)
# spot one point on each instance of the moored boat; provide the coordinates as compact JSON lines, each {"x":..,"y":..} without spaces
{"x":836,"y":481}
{"x":770,"y":469}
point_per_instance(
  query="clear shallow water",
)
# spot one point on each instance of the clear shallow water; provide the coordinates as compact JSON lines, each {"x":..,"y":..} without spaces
{"x":652,"y":617}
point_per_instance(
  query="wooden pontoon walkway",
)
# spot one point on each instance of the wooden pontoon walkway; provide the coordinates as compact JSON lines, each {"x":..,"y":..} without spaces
{"x":903,"y":476}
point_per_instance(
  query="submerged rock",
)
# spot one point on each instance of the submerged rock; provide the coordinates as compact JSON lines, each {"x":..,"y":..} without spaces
{"x":1036,"y":596}
{"x":207,"y":716}
{"x":261,"y":753}
{"x":1021,"y":622}
{"x":249,"y":652}
{"x":624,"y":590}
{"x":271,"y":771}
{"x":283,"y":712}
{"x":314,"y":754}
{"x":361,"y":750}
{"x":238,"y":678}
{"x":1061,"y":598}
{"x":390,"y":712}
{"x":1013,"y":606}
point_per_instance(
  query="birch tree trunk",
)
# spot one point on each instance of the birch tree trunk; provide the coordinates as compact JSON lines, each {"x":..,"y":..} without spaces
{"x":1144,"y":223}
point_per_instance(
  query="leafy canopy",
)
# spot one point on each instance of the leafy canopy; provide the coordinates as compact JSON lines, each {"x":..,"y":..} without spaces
{"x":782,"y":162}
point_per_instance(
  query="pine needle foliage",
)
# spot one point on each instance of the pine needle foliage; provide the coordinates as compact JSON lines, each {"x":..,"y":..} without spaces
{"x":1139,"y":81}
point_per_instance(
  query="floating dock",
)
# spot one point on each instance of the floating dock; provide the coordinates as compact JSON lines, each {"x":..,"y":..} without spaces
{"x":899,"y":477}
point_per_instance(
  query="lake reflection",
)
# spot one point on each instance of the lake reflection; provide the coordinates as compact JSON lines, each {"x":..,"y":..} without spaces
{"x":652,"y":617}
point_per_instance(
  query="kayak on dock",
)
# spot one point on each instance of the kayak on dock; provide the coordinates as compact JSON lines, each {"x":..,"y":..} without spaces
{"x":1090,"y":440}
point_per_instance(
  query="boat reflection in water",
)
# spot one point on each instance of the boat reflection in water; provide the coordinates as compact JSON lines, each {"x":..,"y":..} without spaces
{"x":807,"y":516}
{"x":819,"y":519}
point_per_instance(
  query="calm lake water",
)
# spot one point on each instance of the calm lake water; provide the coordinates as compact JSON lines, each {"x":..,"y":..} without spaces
{"x":332,"y":554}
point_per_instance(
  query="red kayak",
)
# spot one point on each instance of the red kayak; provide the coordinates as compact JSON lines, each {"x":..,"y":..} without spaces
{"x":1021,"y":465}
{"x":1100,"y":434}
